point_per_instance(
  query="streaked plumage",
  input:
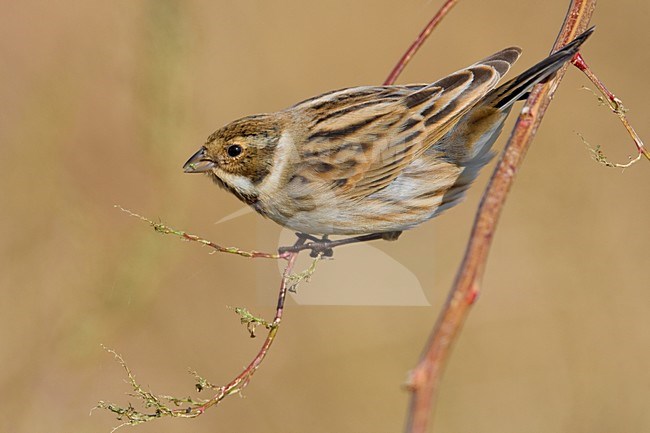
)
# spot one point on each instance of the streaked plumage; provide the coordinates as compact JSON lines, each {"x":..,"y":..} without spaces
{"x":376,"y":159}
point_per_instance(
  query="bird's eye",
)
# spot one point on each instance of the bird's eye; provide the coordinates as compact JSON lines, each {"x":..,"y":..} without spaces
{"x":234,"y":150}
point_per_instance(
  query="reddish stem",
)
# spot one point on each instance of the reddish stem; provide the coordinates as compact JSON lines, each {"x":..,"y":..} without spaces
{"x":580,"y":63}
{"x":415,"y":46}
{"x":240,"y":382}
{"x":616,"y":106}
{"x":425,"y":378}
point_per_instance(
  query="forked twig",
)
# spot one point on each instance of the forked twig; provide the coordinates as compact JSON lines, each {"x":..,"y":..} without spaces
{"x":425,"y":378}
{"x":191,"y":408}
{"x":616,"y":105}
{"x":239,"y":383}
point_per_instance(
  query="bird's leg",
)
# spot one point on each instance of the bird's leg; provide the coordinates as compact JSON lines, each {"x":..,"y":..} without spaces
{"x":325,"y":246}
{"x":307,"y":237}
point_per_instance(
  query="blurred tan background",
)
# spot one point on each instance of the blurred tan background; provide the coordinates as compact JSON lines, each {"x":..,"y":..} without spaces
{"x":102,"y":102}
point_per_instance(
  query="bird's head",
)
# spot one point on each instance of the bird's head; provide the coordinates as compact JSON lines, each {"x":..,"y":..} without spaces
{"x":240,"y":155}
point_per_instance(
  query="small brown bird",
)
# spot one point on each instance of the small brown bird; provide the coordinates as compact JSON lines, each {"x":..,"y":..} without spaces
{"x":371,"y":160}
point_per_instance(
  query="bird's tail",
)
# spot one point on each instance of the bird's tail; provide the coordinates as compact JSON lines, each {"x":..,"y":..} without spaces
{"x":508,"y":93}
{"x":490,"y":114}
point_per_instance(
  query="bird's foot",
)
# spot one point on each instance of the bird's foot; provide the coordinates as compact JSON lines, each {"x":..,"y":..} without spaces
{"x":325,"y":247}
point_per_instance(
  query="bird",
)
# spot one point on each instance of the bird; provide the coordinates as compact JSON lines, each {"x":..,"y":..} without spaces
{"x":372,"y":161}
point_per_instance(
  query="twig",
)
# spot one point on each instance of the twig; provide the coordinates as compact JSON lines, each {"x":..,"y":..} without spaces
{"x":422,"y":37}
{"x":296,"y":279}
{"x":166,"y":230}
{"x":196,"y":407}
{"x":425,"y":378}
{"x":616,"y":105}
{"x":240,"y":382}
{"x":251,"y":321}
{"x":129,"y":413}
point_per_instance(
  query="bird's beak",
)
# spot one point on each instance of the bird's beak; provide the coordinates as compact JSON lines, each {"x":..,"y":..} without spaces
{"x":198,"y":163}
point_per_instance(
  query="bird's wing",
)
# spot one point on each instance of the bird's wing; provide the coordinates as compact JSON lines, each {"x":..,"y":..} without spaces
{"x":360,"y":139}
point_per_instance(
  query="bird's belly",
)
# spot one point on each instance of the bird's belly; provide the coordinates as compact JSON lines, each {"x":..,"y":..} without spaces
{"x":411,"y":199}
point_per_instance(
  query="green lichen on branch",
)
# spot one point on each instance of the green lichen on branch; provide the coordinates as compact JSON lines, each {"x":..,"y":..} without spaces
{"x":295,"y":279}
{"x":598,"y":155}
{"x":251,"y":321}
{"x":201,"y":382}
{"x":159,"y":405}
{"x":617,"y":107}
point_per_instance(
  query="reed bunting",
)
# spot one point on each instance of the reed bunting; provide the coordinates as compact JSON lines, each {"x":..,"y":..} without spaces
{"x":373,"y":159}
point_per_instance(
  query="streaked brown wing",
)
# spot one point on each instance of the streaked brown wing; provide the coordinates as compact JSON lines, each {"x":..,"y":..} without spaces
{"x":360,"y":139}
{"x":343,"y":130}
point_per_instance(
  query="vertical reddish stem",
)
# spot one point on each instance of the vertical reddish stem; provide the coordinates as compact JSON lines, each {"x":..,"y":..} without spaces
{"x":425,"y":378}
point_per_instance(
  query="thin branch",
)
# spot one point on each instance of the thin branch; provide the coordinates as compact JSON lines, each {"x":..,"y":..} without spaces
{"x":616,"y":105}
{"x":422,"y":37}
{"x":239,"y":383}
{"x":166,"y":230}
{"x":425,"y":378}
{"x":164,"y":405}
{"x":195,"y":407}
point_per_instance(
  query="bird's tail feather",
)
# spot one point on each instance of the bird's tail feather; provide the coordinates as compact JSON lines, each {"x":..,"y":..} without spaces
{"x":508,"y":93}
{"x":502,"y":98}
